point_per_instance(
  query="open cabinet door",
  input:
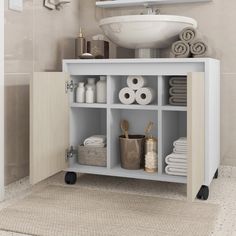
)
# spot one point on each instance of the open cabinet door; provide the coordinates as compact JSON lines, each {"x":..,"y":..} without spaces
{"x":49,"y":125}
{"x":195,"y":134}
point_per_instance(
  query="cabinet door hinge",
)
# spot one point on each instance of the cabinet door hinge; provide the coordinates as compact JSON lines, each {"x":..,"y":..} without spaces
{"x":69,"y":153}
{"x":70,"y":85}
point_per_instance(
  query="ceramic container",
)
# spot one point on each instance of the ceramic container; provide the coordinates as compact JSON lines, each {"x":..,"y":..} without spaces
{"x":89,"y":95}
{"x":101,"y":87}
{"x":80,"y":93}
{"x":92,"y":83}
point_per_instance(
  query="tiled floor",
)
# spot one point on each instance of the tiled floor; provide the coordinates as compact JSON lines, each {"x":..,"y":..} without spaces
{"x":222,"y":192}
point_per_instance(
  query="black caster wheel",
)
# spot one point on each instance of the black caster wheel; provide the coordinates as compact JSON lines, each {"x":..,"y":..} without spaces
{"x":70,"y":178}
{"x":216,"y":174}
{"x":203,"y":193}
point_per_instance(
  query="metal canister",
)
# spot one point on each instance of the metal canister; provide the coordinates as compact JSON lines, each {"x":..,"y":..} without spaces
{"x":150,"y":145}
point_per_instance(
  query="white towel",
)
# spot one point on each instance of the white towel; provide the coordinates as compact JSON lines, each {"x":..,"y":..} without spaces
{"x":95,"y":141}
{"x":181,"y":142}
{"x":179,"y":150}
{"x":173,"y":170}
{"x":176,"y":159}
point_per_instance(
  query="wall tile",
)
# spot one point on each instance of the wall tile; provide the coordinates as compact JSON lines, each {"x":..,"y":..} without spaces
{"x":18,"y":72}
{"x":36,"y":39}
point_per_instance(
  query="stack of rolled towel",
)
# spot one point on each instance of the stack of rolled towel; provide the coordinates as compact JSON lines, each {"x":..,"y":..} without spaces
{"x":178,"y":91}
{"x":190,"y":44}
{"x":177,"y":161}
{"x":95,"y":141}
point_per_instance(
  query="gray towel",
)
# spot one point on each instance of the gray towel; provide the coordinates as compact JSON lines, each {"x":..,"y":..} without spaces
{"x":199,"y":48}
{"x":178,"y":81}
{"x":178,"y":101}
{"x":188,"y":34}
{"x":180,"y":49}
{"x":178,"y":91}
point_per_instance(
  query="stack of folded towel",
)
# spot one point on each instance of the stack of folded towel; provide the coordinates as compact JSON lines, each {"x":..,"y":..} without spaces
{"x":178,"y":91}
{"x":177,"y":161}
{"x":95,"y":141}
{"x":190,"y":45}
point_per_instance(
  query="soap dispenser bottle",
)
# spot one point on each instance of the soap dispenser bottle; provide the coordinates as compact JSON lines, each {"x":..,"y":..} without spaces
{"x":80,"y":45}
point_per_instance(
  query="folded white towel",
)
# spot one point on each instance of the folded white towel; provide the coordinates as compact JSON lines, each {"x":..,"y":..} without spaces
{"x":180,"y":142}
{"x":172,"y":170}
{"x":180,"y":150}
{"x":176,"y":159}
{"x":95,"y":140}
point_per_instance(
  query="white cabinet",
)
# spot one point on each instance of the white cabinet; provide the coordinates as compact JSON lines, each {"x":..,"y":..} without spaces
{"x":57,"y":122}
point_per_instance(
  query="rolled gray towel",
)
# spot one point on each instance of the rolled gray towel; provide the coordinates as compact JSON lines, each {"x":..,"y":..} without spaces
{"x":188,"y":34}
{"x":199,"y":48}
{"x":180,"y":49}
{"x":178,"y":101}
{"x":178,"y":91}
{"x":178,"y":81}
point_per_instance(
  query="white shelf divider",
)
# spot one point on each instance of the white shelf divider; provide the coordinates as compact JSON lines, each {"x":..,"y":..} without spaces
{"x":129,"y":3}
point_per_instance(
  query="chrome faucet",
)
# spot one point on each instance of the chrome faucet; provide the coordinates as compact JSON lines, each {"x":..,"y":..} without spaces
{"x":150,"y":10}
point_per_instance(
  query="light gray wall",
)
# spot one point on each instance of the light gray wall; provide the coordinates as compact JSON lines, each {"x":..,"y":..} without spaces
{"x":216,"y":21}
{"x":35,"y":40}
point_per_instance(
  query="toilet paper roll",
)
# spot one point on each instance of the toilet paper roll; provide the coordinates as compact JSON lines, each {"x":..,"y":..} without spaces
{"x":127,"y":96}
{"x":136,"y":82}
{"x":144,"y":96}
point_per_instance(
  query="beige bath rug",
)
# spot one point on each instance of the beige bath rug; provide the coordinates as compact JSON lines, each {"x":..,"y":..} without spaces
{"x":70,"y":211}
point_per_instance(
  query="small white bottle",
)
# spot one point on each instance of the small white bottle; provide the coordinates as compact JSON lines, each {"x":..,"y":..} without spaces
{"x":101,"y":91}
{"x":91,"y":83}
{"x":80,"y":93}
{"x":89,"y":95}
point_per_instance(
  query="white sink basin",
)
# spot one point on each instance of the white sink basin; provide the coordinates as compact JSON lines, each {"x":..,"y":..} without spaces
{"x":145,"y":31}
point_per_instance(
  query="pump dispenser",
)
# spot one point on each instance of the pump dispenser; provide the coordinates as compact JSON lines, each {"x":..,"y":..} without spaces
{"x":80,"y":45}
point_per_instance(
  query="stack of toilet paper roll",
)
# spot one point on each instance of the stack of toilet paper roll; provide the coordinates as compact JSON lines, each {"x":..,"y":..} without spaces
{"x":136,"y":91}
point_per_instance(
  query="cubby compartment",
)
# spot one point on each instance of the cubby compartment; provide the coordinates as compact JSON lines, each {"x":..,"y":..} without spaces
{"x":116,"y":83}
{"x":179,"y":92}
{"x":174,"y":126}
{"x":138,"y":120}
{"x":85,"y":122}
{"x":82,"y":78}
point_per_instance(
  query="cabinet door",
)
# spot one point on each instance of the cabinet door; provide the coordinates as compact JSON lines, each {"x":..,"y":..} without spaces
{"x":49,"y":125}
{"x":195,"y":134}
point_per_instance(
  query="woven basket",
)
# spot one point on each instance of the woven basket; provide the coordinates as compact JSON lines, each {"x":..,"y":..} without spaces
{"x":92,"y":156}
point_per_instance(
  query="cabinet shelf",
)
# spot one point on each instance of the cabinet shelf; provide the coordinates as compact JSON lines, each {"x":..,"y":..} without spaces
{"x":134,"y":107}
{"x":174,"y":108}
{"x":120,"y":172}
{"x":88,"y":105}
{"x":129,"y":3}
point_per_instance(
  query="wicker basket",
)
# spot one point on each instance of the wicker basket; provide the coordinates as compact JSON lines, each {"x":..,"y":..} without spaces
{"x":92,"y":156}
